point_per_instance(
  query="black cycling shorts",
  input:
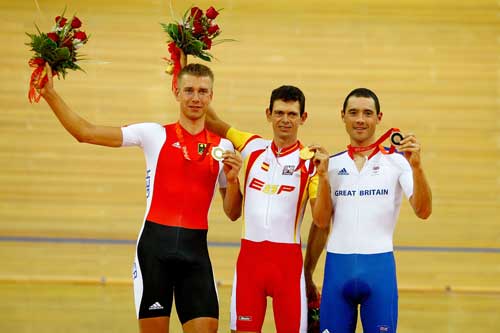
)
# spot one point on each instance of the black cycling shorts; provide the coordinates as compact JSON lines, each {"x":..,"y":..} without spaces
{"x":173,"y":262}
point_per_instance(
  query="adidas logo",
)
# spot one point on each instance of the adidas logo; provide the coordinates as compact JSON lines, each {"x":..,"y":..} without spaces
{"x":342,"y":172}
{"x":176,"y":144}
{"x":156,"y":306}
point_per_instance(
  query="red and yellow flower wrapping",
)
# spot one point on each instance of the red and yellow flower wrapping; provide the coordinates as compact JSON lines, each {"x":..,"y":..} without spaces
{"x":59,"y":48}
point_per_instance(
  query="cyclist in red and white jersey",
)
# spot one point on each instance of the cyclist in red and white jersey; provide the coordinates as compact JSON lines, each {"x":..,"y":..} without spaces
{"x":277,"y":186}
{"x":184,"y":162}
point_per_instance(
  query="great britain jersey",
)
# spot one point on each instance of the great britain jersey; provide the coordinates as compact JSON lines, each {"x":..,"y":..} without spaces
{"x":366,"y":203}
{"x":277,"y":187}
{"x":181,"y":174}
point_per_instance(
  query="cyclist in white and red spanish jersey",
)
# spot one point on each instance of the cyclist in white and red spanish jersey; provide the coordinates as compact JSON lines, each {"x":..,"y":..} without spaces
{"x":184,"y":162}
{"x":277,"y":186}
{"x":363,"y":188}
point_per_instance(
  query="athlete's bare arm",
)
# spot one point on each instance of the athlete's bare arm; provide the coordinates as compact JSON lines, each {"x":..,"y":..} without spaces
{"x":322,"y":210}
{"x":231,"y":195}
{"x":421,"y":200}
{"x":215,"y":124}
{"x":78,"y":127}
{"x":316,"y":242}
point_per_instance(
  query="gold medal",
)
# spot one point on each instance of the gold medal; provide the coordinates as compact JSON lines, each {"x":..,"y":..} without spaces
{"x":217,"y":153}
{"x":306,"y":154}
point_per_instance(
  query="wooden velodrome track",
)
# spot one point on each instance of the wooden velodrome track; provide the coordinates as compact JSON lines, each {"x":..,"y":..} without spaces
{"x":69,"y":213}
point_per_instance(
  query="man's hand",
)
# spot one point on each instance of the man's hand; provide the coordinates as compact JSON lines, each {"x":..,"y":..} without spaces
{"x":49,"y":85}
{"x":320,"y":159}
{"x":183,"y":59}
{"x":232,"y":165}
{"x":411,"y":148}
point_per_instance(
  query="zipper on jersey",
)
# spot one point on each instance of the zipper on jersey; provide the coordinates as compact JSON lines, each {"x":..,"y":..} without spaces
{"x":274,"y":166}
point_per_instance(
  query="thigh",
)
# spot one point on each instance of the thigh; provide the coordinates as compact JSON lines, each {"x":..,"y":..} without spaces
{"x":153,"y":281}
{"x":289,"y":292}
{"x":338,"y":313}
{"x":195,"y":289}
{"x":248,"y":299}
{"x":379,"y":312}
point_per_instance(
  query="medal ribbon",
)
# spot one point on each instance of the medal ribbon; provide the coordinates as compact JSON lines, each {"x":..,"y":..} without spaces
{"x":209,"y":142}
{"x":377,"y":145}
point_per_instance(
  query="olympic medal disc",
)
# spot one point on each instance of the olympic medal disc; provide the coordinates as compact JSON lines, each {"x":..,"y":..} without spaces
{"x":217,"y":153}
{"x":306,"y":154}
{"x":396,"y":138}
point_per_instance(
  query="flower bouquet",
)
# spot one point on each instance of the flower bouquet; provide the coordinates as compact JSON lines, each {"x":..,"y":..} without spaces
{"x":194,"y":35}
{"x":58,"y":48}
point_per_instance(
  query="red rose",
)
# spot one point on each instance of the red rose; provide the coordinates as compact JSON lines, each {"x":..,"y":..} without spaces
{"x":196,"y":13}
{"x":80,"y":35}
{"x":212,"y":13}
{"x":213,"y":29}
{"x":197,"y":27}
{"x":76,"y":23}
{"x":54,"y":36}
{"x":62,"y":20}
{"x":208,"y":43}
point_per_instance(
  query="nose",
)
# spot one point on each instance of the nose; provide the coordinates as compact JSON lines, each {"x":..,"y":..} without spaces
{"x":285,"y":118}
{"x":360,"y":118}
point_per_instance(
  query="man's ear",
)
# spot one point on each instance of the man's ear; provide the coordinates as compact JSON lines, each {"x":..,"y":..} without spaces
{"x":303,"y":117}
{"x":379,"y":117}
{"x":268,"y":114}
{"x":342,"y":115}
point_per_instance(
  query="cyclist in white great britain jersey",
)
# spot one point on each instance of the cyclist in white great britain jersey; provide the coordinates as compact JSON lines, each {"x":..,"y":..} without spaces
{"x":277,"y":186}
{"x":363,"y":189}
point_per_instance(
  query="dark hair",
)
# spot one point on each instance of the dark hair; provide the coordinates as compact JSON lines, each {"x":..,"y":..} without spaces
{"x":197,"y":70}
{"x":362,"y":92}
{"x":288,"y":94}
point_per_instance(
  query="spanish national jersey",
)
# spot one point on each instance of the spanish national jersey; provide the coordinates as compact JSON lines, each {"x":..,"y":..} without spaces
{"x":180,"y":172}
{"x":277,"y":187}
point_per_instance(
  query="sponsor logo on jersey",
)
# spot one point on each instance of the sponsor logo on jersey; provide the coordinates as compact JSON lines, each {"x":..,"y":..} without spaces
{"x":383,"y":328}
{"x":259,"y":185}
{"x":343,"y":172}
{"x":245,"y":318}
{"x":176,"y":145}
{"x":288,"y":170}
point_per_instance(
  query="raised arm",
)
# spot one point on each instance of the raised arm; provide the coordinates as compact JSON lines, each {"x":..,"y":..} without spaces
{"x":421,"y":199}
{"x":78,"y":127}
{"x":215,"y":124}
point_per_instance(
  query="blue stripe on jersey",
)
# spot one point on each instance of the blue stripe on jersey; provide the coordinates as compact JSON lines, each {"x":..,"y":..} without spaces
{"x":342,"y":152}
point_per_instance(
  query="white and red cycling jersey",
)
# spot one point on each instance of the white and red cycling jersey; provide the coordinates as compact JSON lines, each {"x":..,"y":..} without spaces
{"x":277,"y":187}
